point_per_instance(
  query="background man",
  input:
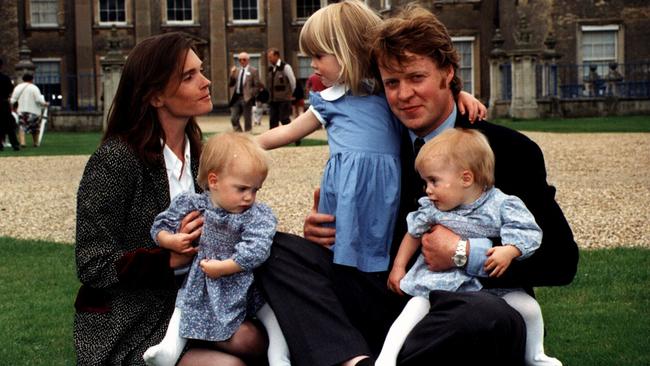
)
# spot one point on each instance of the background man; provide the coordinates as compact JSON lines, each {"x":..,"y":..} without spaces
{"x":245,"y":83}
{"x":280,"y":82}
{"x":7,"y":121}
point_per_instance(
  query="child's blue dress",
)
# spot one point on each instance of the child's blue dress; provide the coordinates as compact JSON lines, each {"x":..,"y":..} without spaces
{"x":213,"y":309}
{"x":361,"y":181}
{"x":494,"y":214}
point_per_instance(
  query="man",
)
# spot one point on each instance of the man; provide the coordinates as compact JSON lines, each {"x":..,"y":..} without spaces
{"x":418,"y":64}
{"x":30,"y":105}
{"x":245,"y":83}
{"x":7,"y":121}
{"x":280,"y":82}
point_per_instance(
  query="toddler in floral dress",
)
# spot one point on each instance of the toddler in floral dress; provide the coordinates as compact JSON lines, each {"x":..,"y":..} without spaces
{"x":218,"y":293}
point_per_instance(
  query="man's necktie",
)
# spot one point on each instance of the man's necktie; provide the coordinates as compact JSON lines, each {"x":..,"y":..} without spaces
{"x":241,"y":81}
{"x":417,"y":145}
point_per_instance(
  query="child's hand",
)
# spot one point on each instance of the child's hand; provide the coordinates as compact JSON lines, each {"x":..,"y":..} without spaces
{"x":180,"y":243}
{"x":499,"y":259}
{"x":395,"y":276}
{"x":475,"y":110}
{"x":212,"y":268}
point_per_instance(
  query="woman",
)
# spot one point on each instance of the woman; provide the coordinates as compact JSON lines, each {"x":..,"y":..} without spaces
{"x":148,"y":155}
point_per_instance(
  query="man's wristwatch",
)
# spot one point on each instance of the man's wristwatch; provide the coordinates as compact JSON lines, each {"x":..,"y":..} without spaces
{"x":460,"y":258}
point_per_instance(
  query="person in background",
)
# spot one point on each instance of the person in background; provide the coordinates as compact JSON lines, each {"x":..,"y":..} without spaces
{"x":245,"y":83}
{"x":148,"y":156}
{"x":313,"y":84}
{"x":30,"y":108}
{"x":281,"y":83}
{"x":7,"y":121}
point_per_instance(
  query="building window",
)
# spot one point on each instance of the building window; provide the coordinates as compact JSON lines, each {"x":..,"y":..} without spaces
{"x":43,"y":13}
{"x":384,"y":4}
{"x":599,"y":46}
{"x":245,"y":11}
{"x":305,"y":8}
{"x":179,"y":11}
{"x":304,"y":67}
{"x":112,"y":11}
{"x":48,"y":78}
{"x":465,"y":48}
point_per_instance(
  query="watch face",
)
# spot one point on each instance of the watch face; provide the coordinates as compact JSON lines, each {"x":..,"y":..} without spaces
{"x":459,"y":260}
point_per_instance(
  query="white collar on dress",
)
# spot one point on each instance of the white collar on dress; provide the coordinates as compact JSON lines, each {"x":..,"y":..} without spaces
{"x":334,"y":92}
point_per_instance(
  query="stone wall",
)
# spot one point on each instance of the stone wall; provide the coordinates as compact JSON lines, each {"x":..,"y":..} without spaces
{"x":9,"y":37}
{"x":75,"y":121}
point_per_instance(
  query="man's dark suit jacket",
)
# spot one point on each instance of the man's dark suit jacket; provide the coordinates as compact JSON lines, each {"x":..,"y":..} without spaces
{"x":519,"y":171}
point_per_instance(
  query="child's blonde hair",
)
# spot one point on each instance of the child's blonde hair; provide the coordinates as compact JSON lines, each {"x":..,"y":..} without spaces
{"x":343,"y":30}
{"x":224,"y":151}
{"x":467,"y":149}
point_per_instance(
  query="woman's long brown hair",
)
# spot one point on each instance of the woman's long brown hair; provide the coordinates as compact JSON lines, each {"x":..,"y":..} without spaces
{"x":148,"y":70}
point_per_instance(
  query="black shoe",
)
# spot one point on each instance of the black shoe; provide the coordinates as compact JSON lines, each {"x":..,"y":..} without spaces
{"x":16,"y":148}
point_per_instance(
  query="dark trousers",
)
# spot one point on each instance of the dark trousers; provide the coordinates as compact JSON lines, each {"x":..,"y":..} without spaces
{"x":7,"y":126}
{"x":279,"y":112}
{"x":239,"y":108}
{"x":331,"y":313}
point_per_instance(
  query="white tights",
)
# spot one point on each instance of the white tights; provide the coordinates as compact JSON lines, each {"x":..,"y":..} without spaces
{"x":418,"y":307}
{"x":167,"y":352}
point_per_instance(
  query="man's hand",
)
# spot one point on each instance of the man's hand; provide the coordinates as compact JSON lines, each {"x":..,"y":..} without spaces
{"x":313,"y":229}
{"x":438,"y":246}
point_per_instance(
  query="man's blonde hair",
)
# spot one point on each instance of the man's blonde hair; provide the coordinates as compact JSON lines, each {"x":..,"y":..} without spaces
{"x":224,"y":151}
{"x":467,"y":149}
{"x":343,"y":30}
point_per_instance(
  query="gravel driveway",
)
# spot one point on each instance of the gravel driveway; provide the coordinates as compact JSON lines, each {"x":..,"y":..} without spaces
{"x":603,"y":184}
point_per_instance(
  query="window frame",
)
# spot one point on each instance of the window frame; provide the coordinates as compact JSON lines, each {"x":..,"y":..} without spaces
{"x":294,"y":11}
{"x":127,"y":14}
{"x":57,"y":15}
{"x":602,"y":63}
{"x":472,"y":68}
{"x":50,"y":60}
{"x":164,"y":14}
{"x":231,"y":14}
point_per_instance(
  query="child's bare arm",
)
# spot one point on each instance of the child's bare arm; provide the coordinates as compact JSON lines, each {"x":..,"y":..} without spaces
{"x":283,"y":135}
{"x":407,"y":248}
{"x":215,"y":268}
{"x":499,"y":259}
{"x":474,"y":108}
{"x":180,"y":242}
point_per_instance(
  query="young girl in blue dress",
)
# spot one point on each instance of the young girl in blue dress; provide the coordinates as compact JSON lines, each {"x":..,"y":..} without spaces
{"x":218,"y":293}
{"x":361,"y":180}
{"x":458,"y":168}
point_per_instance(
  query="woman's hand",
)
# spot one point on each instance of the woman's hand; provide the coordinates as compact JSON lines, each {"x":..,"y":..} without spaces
{"x":192,"y":224}
{"x":313,"y":229}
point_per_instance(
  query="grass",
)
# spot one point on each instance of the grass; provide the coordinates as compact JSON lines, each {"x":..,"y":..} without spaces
{"x":37,"y":286}
{"x":85,"y":143}
{"x":600,"y":319}
{"x":592,"y":124}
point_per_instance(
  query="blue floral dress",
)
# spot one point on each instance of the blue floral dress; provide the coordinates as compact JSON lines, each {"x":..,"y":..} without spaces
{"x":213,"y":309}
{"x":361,"y":180}
{"x":494,"y":214}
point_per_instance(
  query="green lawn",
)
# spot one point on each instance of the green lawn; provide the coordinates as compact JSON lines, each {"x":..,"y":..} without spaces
{"x":600,"y":319}
{"x":592,"y":124}
{"x":84,"y":143}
